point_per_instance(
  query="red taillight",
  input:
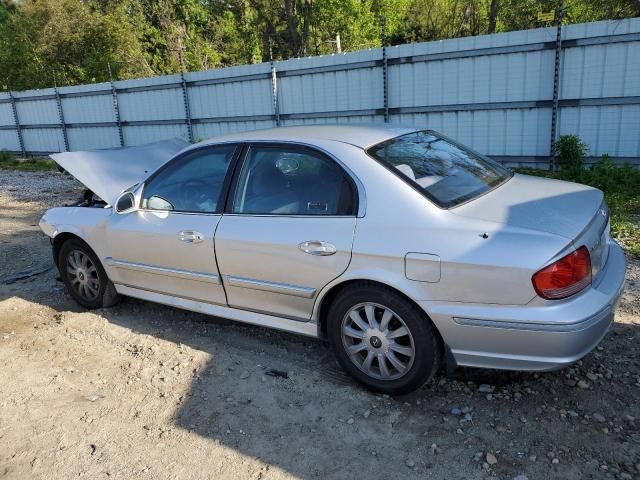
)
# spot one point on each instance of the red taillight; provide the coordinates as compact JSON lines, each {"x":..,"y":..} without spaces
{"x":565,"y":277}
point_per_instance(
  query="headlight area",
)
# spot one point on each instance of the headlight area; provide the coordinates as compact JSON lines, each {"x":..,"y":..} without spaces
{"x":49,"y":229}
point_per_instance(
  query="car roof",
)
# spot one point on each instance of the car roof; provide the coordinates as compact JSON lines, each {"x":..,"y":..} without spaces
{"x":362,"y":136}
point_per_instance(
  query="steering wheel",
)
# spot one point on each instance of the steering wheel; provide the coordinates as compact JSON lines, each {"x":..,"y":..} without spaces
{"x":193,"y":192}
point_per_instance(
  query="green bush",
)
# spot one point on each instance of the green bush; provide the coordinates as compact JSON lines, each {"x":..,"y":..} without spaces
{"x":11,"y":162}
{"x":5,"y":157}
{"x":570,"y":152}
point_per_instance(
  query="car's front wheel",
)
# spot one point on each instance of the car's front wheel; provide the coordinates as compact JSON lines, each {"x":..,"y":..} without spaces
{"x":382,"y":339}
{"x":84,"y":276}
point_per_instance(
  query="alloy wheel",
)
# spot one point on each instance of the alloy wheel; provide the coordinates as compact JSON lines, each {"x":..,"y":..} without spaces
{"x":83,"y":275}
{"x":378,"y":341}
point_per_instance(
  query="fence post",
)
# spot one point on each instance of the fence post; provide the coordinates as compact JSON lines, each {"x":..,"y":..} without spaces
{"x":17,"y":123}
{"x":63,"y":125}
{"x":385,"y":81}
{"x":556,"y":85}
{"x":116,"y":107}
{"x":185,"y":97}
{"x":274,"y":93}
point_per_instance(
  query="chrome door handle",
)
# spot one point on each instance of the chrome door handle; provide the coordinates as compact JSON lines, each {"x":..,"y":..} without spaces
{"x":317,"y":247}
{"x":190,"y":236}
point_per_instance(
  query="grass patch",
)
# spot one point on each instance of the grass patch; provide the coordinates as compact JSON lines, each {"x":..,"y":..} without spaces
{"x":621,"y":187}
{"x":33,"y":164}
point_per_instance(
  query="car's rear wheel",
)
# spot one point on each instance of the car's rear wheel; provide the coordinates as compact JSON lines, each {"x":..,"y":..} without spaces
{"x":84,"y":276}
{"x":382,"y":339}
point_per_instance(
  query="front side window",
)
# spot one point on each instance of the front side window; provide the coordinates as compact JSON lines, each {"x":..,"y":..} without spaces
{"x":190,"y":184}
{"x":445,"y":172}
{"x":290,"y":181}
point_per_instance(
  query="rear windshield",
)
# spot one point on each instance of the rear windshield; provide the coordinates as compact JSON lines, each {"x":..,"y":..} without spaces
{"x":446,"y":172}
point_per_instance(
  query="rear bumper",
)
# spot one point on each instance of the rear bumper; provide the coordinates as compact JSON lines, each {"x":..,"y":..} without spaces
{"x":546,"y":336}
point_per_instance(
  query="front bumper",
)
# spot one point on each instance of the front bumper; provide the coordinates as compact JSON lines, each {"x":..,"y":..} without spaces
{"x":545,"y":336}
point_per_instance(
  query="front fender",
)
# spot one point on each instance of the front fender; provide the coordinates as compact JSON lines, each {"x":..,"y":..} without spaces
{"x":85,"y":223}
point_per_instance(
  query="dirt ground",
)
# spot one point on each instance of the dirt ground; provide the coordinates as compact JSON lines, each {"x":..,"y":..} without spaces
{"x":147,"y":391}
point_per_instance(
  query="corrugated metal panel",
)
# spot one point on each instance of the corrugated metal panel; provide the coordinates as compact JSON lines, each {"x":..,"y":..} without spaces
{"x":606,"y":27}
{"x":6,"y":115}
{"x":147,"y":81}
{"x":93,"y":109}
{"x":244,"y":97}
{"x":44,"y":140}
{"x":231,"y":99}
{"x":492,"y":132}
{"x":330,"y":91}
{"x":91,"y":138}
{"x":207,"y":130}
{"x":333,"y":120}
{"x":609,"y":130}
{"x":497,"y":101}
{"x":152,"y":105}
{"x":602,"y":71}
{"x":36,"y":111}
{"x":9,"y":141}
{"x":140,"y":135}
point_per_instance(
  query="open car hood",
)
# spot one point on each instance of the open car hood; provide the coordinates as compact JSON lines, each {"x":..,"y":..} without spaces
{"x":108,"y":172}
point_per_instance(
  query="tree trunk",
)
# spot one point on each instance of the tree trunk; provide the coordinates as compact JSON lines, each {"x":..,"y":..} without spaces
{"x":466,"y":15}
{"x":292,"y":26}
{"x":493,"y":15}
{"x":306,"y":26}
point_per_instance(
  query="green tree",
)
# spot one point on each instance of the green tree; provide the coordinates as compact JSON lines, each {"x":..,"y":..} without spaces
{"x":68,"y":40}
{"x":74,"y":40}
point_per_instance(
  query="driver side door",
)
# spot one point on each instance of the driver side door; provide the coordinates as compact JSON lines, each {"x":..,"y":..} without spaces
{"x":166,"y":245}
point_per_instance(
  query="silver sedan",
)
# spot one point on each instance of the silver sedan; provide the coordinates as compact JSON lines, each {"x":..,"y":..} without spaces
{"x":401,"y":247}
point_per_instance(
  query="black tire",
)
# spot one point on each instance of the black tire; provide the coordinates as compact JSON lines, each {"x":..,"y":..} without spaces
{"x":423,"y":338}
{"x":105,"y":294}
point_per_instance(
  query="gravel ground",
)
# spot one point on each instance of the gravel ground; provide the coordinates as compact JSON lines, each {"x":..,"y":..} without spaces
{"x":147,"y":391}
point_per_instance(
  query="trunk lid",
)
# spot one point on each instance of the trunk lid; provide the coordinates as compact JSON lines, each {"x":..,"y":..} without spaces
{"x":108,"y":172}
{"x":535,"y":203}
{"x":570,"y":210}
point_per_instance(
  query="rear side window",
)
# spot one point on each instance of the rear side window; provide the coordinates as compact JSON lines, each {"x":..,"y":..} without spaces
{"x":447,"y":173}
{"x":192,"y":183}
{"x":290,"y":181}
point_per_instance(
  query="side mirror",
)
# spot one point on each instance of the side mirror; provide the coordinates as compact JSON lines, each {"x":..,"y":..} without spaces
{"x":125,"y":203}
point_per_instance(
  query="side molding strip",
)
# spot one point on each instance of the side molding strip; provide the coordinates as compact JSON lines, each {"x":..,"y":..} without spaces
{"x":305,"y":292}
{"x":539,"y":327}
{"x":303,"y":328}
{"x":172,"y":272}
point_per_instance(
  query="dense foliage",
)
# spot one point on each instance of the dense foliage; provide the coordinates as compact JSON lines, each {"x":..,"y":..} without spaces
{"x":78,"y":41}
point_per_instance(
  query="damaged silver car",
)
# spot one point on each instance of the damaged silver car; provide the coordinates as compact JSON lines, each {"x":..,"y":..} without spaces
{"x":401,"y":247}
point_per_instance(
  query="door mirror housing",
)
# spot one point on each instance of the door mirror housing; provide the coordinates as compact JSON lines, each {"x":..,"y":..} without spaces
{"x":125,"y":203}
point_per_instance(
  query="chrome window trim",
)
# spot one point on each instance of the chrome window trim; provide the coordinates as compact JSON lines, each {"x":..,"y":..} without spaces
{"x":178,"y":212}
{"x":274,"y":287}
{"x":180,"y":156}
{"x":362,"y":198}
{"x":171,"y":272}
{"x":286,"y":215}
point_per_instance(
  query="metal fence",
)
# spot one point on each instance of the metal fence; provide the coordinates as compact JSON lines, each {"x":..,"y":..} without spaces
{"x":492,"y":92}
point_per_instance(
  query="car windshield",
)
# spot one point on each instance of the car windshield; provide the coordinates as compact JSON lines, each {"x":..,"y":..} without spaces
{"x":444,"y":171}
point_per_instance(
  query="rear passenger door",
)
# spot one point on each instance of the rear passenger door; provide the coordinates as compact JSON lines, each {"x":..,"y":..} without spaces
{"x":287,"y":230}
